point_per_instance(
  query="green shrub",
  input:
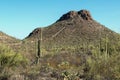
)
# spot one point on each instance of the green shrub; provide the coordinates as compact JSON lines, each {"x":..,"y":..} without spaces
{"x":10,"y":61}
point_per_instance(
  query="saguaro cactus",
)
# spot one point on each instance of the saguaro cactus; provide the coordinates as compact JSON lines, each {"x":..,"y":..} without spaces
{"x":39,"y":43}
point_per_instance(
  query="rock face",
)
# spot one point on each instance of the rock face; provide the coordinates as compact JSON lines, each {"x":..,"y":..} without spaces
{"x":84,"y":14}
{"x":68,"y":15}
{"x":36,"y":31}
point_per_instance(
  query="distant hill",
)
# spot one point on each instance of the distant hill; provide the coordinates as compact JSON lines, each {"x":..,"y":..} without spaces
{"x":4,"y":38}
{"x":9,"y":40}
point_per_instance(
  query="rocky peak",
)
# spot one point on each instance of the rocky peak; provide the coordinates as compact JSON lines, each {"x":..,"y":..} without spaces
{"x":84,"y":14}
{"x":70,"y":14}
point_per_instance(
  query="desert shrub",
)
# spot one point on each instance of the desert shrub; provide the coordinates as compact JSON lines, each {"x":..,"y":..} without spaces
{"x":64,"y":65}
{"x":10,"y":61}
{"x":103,"y":68}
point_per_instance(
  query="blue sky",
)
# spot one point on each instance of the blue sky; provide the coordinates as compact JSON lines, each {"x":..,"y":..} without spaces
{"x":19,"y":17}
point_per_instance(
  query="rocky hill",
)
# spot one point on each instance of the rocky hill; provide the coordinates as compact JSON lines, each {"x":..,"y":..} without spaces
{"x":74,"y":28}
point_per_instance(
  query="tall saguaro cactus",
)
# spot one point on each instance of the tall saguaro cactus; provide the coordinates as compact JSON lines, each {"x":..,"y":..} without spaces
{"x":39,"y":50}
{"x":39,"y":42}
